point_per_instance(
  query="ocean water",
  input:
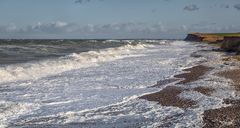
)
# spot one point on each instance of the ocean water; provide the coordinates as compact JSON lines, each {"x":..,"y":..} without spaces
{"x":92,"y":83}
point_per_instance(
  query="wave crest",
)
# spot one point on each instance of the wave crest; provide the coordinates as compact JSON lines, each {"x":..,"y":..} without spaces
{"x":39,"y":69}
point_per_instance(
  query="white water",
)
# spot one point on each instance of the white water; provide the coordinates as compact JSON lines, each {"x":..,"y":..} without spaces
{"x":96,"y":89}
{"x":36,"y":70}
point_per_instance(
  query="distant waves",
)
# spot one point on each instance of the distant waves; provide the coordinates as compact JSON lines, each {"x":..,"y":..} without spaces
{"x":50,"y":59}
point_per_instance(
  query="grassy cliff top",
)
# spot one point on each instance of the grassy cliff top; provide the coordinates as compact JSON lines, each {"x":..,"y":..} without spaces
{"x":220,"y":34}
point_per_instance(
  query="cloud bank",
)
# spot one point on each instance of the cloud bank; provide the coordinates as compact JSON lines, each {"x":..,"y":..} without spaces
{"x":60,"y":29}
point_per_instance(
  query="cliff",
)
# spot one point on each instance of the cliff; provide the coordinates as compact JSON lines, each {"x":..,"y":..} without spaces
{"x":227,"y":41}
{"x":231,"y":44}
{"x":201,"y":37}
{"x":194,"y":37}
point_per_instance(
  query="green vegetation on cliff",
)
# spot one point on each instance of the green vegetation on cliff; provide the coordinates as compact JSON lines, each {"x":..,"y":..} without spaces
{"x":223,"y":34}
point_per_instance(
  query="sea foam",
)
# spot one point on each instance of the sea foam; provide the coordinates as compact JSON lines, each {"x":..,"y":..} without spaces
{"x":39,"y":69}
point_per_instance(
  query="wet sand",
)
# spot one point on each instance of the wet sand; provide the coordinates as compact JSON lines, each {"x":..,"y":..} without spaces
{"x":169,"y":95}
{"x":204,"y":90}
{"x":227,"y":117}
{"x":234,"y":75}
{"x":193,"y":74}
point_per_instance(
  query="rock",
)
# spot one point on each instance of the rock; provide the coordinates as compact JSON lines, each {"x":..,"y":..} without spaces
{"x":231,"y":44}
{"x":193,"y":37}
{"x":201,"y":37}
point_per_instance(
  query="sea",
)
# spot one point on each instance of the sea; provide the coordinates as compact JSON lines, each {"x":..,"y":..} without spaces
{"x":94,"y":83}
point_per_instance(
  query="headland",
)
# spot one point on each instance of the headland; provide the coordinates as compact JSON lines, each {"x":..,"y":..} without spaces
{"x":227,"y":41}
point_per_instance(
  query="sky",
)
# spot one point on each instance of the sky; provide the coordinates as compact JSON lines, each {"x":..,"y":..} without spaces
{"x":116,"y":19}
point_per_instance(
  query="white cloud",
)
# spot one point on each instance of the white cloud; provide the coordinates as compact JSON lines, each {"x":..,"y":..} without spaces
{"x":60,"y":24}
{"x":11,"y":27}
{"x":60,"y":29}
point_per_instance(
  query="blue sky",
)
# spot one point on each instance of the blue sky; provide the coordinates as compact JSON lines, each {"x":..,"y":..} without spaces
{"x":116,"y":18}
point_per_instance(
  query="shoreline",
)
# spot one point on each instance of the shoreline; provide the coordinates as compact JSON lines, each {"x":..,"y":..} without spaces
{"x":184,"y":99}
{"x":227,"y":115}
{"x":169,"y":95}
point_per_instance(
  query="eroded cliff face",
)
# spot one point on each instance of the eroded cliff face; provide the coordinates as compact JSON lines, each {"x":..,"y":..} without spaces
{"x":193,"y":37}
{"x":227,"y":43}
{"x":199,"y":37}
{"x":213,"y":39}
{"x":231,"y":44}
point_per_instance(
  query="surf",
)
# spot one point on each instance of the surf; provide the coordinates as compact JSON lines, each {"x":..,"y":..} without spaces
{"x":44,"y":68}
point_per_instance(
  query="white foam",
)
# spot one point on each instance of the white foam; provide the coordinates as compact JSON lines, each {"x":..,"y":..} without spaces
{"x":12,"y":110}
{"x":35,"y":70}
{"x":106,"y":94}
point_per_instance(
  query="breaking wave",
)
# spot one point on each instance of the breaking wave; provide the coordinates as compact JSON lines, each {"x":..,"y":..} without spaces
{"x":39,"y":69}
